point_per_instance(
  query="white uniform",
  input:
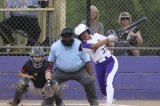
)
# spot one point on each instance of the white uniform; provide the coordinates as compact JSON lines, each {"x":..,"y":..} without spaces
{"x":98,"y":54}
{"x":106,"y":65}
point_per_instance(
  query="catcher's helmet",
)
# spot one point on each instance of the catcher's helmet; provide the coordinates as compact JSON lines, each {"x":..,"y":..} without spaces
{"x":80,"y":29}
{"x":67,"y":32}
{"x":37,"y":51}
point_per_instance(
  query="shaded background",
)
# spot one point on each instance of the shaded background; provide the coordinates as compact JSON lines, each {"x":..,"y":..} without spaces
{"x":109,"y":10}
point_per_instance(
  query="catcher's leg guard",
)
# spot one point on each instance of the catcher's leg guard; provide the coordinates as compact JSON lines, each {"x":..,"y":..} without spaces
{"x":61,"y":104}
{"x":20,"y":89}
{"x":48,"y":102}
{"x":12,"y":103}
{"x":58,"y":100}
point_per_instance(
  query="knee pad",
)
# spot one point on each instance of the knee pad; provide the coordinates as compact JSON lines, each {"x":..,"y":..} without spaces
{"x":23,"y":83}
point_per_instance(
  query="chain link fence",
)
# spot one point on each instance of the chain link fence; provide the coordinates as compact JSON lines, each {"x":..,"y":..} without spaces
{"x":24,"y":26}
{"x":109,"y":10}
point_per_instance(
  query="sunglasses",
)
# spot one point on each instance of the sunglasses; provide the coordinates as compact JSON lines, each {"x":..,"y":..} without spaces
{"x":125,"y":18}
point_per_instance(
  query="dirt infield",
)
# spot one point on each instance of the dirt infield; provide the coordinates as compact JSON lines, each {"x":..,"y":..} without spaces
{"x":85,"y":103}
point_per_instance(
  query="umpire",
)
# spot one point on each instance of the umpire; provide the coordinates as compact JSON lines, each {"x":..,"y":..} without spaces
{"x":72,"y":64}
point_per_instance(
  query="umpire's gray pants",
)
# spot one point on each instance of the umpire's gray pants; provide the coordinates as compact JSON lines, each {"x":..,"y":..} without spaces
{"x":83,"y":78}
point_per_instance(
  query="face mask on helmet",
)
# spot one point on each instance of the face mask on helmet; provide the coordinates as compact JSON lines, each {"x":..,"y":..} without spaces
{"x":37,"y":56}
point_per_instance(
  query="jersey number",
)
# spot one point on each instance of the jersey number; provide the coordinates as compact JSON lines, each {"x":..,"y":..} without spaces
{"x":103,"y":50}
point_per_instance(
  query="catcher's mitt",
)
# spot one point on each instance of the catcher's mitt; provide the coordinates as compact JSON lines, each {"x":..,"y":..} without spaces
{"x":50,"y":88}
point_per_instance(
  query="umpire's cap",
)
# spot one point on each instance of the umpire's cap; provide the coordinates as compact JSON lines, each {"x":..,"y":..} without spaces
{"x":67,"y":32}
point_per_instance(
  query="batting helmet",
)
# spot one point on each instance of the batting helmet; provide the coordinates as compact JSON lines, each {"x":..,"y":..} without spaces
{"x":80,"y":29}
{"x":37,"y":51}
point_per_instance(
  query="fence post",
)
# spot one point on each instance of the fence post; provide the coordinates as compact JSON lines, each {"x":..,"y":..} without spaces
{"x":51,"y":24}
{"x":59,"y":17}
{"x":42,"y":23}
{"x":88,"y":4}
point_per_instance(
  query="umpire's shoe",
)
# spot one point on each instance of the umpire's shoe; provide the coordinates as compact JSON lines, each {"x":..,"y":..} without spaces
{"x":12,"y":103}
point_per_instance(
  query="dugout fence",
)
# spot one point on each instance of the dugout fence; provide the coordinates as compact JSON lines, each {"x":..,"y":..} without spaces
{"x":69,"y":13}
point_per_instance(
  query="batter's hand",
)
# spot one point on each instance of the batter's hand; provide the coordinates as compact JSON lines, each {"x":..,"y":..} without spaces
{"x":112,"y":37}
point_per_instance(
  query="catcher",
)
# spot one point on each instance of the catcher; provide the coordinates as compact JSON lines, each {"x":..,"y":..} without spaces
{"x":35,"y":79}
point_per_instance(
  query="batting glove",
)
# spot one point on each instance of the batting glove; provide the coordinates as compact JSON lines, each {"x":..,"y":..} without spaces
{"x":112,"y":37}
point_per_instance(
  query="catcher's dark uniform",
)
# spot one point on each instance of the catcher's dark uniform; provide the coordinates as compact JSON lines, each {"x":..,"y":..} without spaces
{"x":38,"y":73}
{"x":36,"y":85}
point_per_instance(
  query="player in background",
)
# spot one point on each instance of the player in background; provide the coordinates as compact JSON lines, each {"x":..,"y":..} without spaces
{"x":106,"y":64}
{"x":36,"y":79}
{"x":130,"y":38}
{"x":95,"y":25}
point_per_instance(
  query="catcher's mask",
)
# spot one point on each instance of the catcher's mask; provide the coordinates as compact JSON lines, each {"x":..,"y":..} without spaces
{"x":67,"y":37}
{"x":37,"y":56}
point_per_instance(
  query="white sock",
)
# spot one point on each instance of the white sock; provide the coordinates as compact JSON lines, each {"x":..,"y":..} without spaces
{"x":110,"y":93}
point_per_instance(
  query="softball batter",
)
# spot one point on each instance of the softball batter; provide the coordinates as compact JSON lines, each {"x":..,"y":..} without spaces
{"x":106,"y":64}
